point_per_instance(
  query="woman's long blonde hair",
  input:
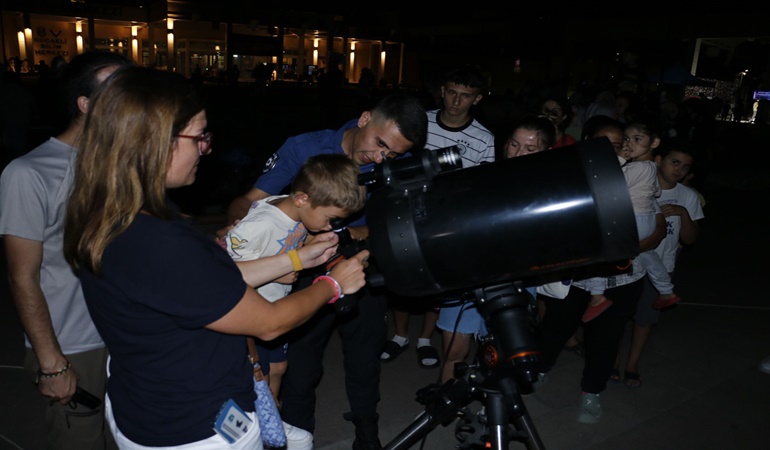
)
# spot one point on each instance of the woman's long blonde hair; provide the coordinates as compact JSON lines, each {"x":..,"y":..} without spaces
{"x":124,"y":154}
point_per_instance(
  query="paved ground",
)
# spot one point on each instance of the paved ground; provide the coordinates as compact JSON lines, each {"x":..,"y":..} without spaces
{"x":701,"y":390}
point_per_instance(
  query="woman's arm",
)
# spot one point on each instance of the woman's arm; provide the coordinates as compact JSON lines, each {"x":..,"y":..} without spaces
{"x":264,"y":270}
{"x":255,"y":316}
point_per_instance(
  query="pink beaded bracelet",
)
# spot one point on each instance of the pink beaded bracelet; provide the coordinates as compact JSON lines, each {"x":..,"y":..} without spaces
{"x":337,"y":288}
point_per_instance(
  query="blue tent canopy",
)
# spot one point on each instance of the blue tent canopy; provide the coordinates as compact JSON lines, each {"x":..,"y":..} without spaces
{"x":678,"y":75}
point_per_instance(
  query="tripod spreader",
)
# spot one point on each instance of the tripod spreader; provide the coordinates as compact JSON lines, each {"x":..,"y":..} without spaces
{"x":443,"y":404}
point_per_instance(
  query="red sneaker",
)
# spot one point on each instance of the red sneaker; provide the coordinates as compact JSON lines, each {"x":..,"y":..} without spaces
{"x":662,"y":303}
{"x":593,"y":311}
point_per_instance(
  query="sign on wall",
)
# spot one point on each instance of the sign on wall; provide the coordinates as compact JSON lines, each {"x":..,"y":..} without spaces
{"x":51,"y":41}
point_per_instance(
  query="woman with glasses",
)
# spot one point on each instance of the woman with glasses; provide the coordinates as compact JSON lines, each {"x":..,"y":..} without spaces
{"x":171,"y":305}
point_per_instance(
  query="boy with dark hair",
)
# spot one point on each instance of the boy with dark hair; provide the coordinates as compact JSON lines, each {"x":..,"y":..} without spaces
{"x":683,"y":211}
{"x":453,"y":124}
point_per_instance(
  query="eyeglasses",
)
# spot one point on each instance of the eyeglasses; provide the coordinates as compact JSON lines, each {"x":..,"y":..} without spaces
{"x":551,"y":112}
{"x":203,"y":141}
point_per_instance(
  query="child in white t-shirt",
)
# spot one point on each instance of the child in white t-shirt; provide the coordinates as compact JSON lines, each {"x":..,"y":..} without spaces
{"x":326,"y":188}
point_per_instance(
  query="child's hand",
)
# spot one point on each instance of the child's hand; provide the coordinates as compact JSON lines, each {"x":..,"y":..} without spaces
{"x":318,"y":250}
{"x":219,"y":236}
{"x":673,"y":210}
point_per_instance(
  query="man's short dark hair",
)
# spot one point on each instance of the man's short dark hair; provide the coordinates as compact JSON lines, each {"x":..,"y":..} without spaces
{"x":80,"y":76}
{"x":466,"y":75}
{"x":409,"y":115}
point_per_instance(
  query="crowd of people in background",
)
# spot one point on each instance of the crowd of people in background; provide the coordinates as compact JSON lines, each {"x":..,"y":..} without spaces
{"x":674,"y":136}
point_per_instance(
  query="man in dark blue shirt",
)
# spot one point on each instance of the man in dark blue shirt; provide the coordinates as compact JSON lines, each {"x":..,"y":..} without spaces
{"x":394,"y":126}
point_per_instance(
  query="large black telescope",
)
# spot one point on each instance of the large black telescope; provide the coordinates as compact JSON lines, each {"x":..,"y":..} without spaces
{"x":435,"y":228}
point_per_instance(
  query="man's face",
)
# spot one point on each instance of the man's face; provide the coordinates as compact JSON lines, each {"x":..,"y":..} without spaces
{"x":376,"y":140}
{"x":458,"y":98}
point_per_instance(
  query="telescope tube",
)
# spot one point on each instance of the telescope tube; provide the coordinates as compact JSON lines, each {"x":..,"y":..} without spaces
{"x":516,"y":219}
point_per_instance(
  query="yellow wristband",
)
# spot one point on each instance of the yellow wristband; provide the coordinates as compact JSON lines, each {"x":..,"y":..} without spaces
{"x":295,"y":261}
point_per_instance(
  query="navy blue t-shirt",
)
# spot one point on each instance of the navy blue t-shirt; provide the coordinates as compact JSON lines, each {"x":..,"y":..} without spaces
{"x":162,"y":282}
{"x":281,"y":168}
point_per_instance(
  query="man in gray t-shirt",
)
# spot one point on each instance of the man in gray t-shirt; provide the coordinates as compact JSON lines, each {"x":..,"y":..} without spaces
{"x":64,"y":349}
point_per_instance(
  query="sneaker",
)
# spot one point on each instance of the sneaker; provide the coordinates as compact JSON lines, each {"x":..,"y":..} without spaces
{"x":297,"y":438}
{"x":764,"y":367}
{"x":590,"y":408}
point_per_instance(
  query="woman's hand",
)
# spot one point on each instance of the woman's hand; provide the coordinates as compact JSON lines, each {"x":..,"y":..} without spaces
{"x":318,"y":250}
{"x":350,"y":274}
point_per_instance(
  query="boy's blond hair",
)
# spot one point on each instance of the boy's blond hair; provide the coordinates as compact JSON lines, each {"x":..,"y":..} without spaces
{"x":331,"y":180}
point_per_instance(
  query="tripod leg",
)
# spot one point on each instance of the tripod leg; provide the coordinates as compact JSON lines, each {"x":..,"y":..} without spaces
{"x":532,"y":440}
{"x":497,"y":421}
{"x":443,"y":407}
{"x":519,"y":415}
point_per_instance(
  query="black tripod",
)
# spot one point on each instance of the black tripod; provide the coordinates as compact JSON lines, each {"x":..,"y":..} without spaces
{"x":505,"y":363}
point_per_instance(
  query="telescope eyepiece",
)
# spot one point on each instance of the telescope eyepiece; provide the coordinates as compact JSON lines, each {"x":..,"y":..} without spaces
{"x":414,"y":170}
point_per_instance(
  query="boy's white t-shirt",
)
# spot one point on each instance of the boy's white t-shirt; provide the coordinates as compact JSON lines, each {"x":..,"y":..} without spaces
{"x":265,"y":231}
{"x":683,"y":196}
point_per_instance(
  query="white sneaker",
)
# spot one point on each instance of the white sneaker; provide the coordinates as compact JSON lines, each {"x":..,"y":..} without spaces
{"x":297,"y":438}
{"x":590,"y":408}
{"x":764,"y":367}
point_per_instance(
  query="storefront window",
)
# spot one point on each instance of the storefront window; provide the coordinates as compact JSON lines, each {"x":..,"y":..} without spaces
{"x":206,"y":56}
{"x":114,"y":45}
